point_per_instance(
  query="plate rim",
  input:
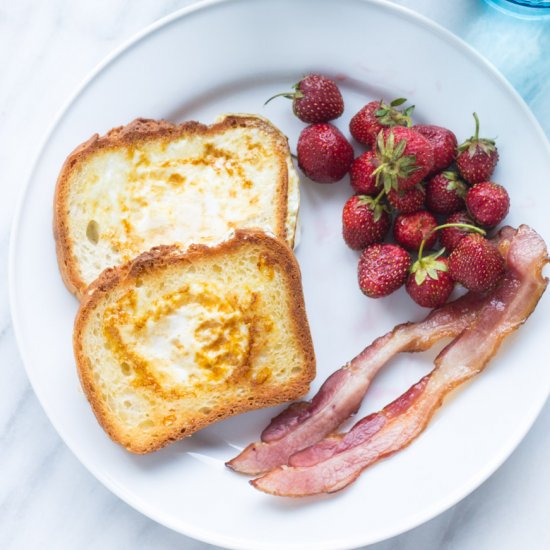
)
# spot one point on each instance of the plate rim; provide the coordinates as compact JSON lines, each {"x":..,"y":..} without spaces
{"x":181,"y":526}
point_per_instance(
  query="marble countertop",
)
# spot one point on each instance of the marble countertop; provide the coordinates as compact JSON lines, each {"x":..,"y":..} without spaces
{"x":47,"y":498}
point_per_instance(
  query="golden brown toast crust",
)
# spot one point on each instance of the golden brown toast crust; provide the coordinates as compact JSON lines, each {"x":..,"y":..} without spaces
{"x":139,"y":131}
{"x":164,"y":256}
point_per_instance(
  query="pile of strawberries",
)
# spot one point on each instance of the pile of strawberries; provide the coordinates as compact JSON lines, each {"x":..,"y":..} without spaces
{"x":415,"y":177}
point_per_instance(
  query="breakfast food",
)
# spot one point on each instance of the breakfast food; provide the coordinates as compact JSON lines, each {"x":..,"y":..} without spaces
{"x":477,"y":157}
{"x":443,"y":142}
{"x":316,"y":98}
{"x":429,"y":283}
{"x":382,"y":269}
{"x":362,"y":174}
{"x":304,"y":423}
{"x":173,"y":341}
{"x":488,"y":203}
{"x":156,"y":183}
{"x":407,"y":201}
{"x":366,"y":124}
{"x":445,"y":193}
{"x":404,"y":157}
{"x":324,"y":154}
{"x":410,"y":229}
{"x":364,"y":221}
{"x":458,"y":225}
{"x":476,"y":264}
{"x":336,"y":461}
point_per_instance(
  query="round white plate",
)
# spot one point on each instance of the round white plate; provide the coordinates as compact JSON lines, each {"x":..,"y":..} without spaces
{"x":230,"y":57}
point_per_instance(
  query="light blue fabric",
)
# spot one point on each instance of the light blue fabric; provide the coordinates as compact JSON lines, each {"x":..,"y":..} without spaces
{"x":519,"y":48}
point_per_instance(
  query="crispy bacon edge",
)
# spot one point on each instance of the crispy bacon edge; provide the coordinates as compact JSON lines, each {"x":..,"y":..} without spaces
{"x":335,"y":462}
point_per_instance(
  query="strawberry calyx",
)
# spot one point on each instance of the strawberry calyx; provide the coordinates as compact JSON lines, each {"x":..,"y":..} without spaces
{"x":393,"y":164}
{"x":455,"y":184}
{"x":388,"y":115}
{"x":428,"y":266}
{"x":471,"y":145}
{"x":374,"y":204}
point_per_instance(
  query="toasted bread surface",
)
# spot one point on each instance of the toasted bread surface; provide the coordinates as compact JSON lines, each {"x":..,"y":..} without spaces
{"x":154,"y":183}
{"x":171,"y":342}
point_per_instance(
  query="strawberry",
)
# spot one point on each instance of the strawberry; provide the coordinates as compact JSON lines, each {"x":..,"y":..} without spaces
{"x":361,"y":174}
{"x":477,"y":158}
{"x":476,"y":263}
{"x":324,"y":154}
{"x":409,"y":230}
{"x":407,"y":201}
{"x":444,"y":144}
{"x":445,"y":193}
{"x":376,"y":115}
{"x":382,"y":269}
{"x":364,"y":221}
{"x":429,"y":283}
{"x":404,"y":156}
{"x":316,"y":98}
{"x":451,"y":236}
{"x":488,"y":203}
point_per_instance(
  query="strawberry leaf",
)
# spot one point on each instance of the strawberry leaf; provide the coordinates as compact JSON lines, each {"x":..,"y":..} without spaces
{"x":400,"y":149}
{"x":440,"y":266}
{"x":397,"y":102}
{"x":420,"y":276}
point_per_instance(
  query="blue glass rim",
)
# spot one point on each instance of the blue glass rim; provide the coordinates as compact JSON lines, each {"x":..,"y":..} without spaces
{"x":525,"y":9}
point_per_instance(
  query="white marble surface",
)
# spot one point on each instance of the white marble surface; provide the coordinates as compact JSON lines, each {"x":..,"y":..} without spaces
{"x":47,"y":499}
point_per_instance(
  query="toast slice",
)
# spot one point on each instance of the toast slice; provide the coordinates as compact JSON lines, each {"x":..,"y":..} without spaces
{"x":154,"y":183}
{"x":174,"y":341}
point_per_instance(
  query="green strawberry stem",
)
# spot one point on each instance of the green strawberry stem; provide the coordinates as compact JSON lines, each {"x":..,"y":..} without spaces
{"x":444,"y":226}
{"x":289,"y":95}
{"x":379,"y":196}
{"x":476,"y":135}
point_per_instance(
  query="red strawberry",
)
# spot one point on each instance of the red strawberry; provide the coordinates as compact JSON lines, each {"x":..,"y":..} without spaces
{"x":316,"y":99}
{"x":444,"y":144}
{"x":361,"y":174}
{"x":376,"y":115}
{"x":409,"y":230}
{"x":382,"y":269}
{"x":476,"y":263}
{"x":477,"y":158}
{"x":488,"y":203}
{"x":324,"y":154}
{"x":407,"y":201}
{"x":451,"y":236}
{"x":445,"y":193}
{"x":364,"y":221}
{"x":429,"y":283}
{"x":405,"y":158}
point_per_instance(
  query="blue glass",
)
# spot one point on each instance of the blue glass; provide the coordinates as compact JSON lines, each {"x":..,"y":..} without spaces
{"x":525,"y":9}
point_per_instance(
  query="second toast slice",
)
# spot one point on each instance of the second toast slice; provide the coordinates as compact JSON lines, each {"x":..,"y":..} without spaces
{"x":173,"y":341}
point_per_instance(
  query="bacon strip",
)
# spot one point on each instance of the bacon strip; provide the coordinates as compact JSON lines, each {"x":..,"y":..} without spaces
{"x":305,"y":423}
{"x":337,"y":461}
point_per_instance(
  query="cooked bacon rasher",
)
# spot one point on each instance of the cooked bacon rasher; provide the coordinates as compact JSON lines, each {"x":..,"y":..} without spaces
{"x":333,"y":463}
{"x":304,"y":423}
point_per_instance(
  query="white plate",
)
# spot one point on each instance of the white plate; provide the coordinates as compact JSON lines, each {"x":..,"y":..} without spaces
{"x":230,"y":57}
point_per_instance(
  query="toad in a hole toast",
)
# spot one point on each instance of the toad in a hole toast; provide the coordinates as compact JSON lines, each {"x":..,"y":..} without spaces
{"x":173,"y":341}
{"x":154,"y":183}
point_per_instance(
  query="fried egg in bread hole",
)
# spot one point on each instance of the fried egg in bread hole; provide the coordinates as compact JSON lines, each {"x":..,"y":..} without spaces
{"x":173,"y":341}
{"x":154,"y":183}
{"x":191,"y":338}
